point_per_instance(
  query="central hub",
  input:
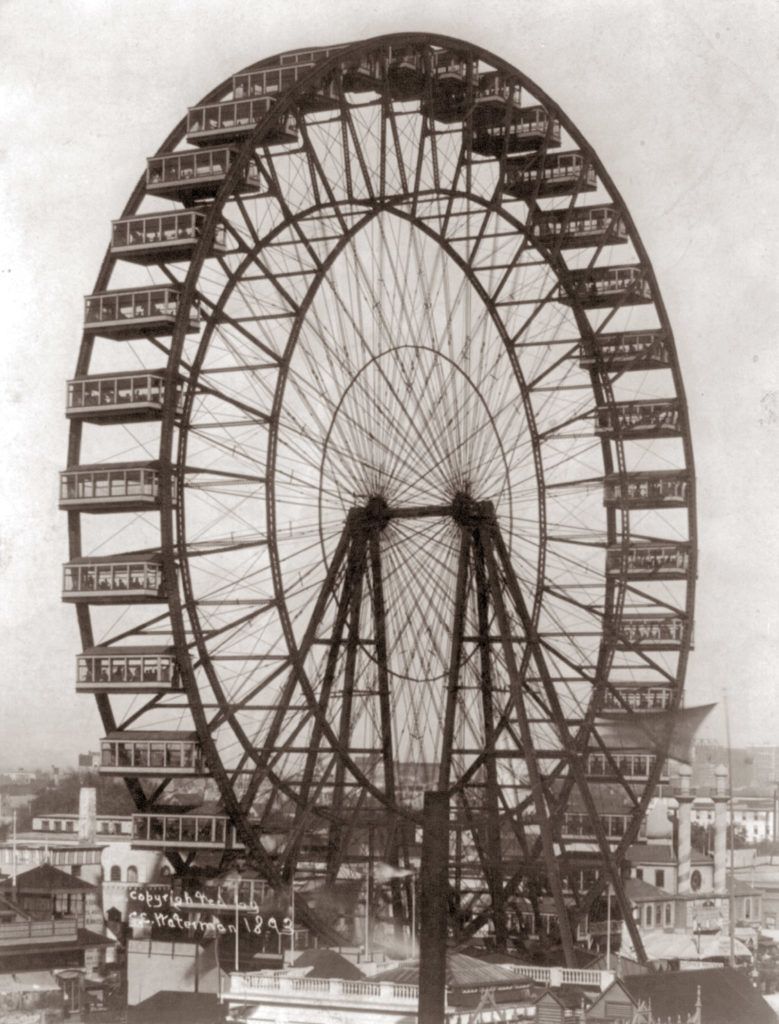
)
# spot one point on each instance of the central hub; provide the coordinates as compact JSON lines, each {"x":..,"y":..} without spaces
{"x":376,"y":513}
{"x":466,"y":511}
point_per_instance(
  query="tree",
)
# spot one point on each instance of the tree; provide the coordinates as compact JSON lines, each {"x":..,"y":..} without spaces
{"x":63,"y":797}
{"x":702,"y":837}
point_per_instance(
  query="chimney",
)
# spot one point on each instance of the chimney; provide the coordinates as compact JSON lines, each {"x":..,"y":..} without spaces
{"x":684,"y":799}
{"x":87,"y":814}
{"x":720,"y":828}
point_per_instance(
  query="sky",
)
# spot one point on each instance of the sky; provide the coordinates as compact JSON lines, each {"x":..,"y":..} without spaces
{"x":675,"y":97}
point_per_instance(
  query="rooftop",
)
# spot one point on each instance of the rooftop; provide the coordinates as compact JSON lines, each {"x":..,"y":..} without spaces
{"x":326,"y":963}
{"x":175,"y":1007}
{"x":85,"y":939}
{"x":48,"y":879}
{"x":29,"y":981}
{"x":662,"y":853}
{"x":742,"y":888}
{"x":40,"y":839}
{"x":727,"y":997}
{"x":639,"y":891}
{"x":462,"y":971}
{"x":651,"y":853}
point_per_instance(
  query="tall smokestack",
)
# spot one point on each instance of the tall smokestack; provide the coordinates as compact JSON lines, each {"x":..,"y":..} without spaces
{"x":87,"y":814}
{"x":720,"y":828}
{"x":684,"y":799}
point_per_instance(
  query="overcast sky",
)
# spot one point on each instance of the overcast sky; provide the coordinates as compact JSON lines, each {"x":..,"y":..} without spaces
{"x":674,"y":95}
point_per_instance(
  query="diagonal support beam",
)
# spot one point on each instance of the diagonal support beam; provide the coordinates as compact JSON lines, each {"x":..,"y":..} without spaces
{"x":392,"y":850}
{"x":357,"y":567}
{"x":455,"y":661}
{"x":568,"y":742}
{"x":536,"y":784}
{"x":494,"y":860}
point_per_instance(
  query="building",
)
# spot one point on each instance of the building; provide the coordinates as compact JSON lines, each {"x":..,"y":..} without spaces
{"x":18,"y":776}
{"x":105,"y":824}
{"x":475,"y":991}
{"x":89,"y":762}
{"x":168,"y":1007}
{"x":82,"y":860}
{"x":46,"y":892}
{"x":754,"y":817}
{"x":96,"y":848}
{"x":478,"y":991}
{"x":46,"y":960}
{"x":188,"y":940}
{"x":15,"y":797}
{"x":185,"y":965}
{"x":722,"y":996}
{"x":681,"y":897}
{"x":752,"y":767}
{"x":765,"y":877}
{"x":32,"y":996}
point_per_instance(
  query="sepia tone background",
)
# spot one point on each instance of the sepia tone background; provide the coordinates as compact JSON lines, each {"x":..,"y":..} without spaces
{"x":678,"y":98}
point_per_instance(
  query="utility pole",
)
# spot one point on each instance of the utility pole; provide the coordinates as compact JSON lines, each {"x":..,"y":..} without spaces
{"x":434,"y":886}
{"x":732,"y":882}
{"x":13,"y":858}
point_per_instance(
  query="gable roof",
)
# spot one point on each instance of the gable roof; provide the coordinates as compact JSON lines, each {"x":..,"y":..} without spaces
{"x":462,"y":971}
{"x":727,"y":996}
{"x":663,"y":853}
{"x":569,"y":997}
{"x":326,"y":963}
{"x":742,"y":888}
{"x":175,"y":1007}
{"x":550,"y":996}
{"x":651,"y":853}
{"x":46,"y":878}
{"x":640,"y":891}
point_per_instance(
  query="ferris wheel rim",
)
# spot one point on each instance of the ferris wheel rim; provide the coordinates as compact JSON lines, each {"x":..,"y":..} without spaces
{"x":171,"y":546}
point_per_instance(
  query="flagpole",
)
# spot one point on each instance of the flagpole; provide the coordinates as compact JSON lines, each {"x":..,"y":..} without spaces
{"x":13,"y":857}
{"x":292,"y":915}
{"x":236,"y":928}
{"x":608,"y":927}
{"x":216,"y":954}
{"x":731,"y":886}
{"x":367,"y":911}
{"x":413,"y":916}
{"x":368,"y":880}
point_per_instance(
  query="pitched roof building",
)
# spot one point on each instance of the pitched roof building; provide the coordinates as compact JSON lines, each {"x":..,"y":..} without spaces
{"x":726,"y":997}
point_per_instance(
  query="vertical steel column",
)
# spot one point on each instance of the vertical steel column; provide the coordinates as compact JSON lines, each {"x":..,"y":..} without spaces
{"x":434,"y":887}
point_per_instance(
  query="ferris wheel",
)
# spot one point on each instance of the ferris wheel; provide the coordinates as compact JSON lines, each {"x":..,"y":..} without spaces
{"x":380,"y":481}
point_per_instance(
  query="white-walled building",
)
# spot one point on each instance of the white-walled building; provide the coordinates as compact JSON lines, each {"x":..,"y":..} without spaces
{"x":755,"y":815}
{"x":681,"y":896}
{"x":105,"y":824}
{"x":96,"y":848}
